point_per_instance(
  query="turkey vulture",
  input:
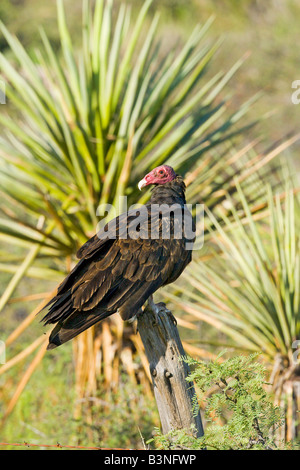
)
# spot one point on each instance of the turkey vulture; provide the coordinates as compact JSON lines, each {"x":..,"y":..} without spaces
{"x":127,"y":261}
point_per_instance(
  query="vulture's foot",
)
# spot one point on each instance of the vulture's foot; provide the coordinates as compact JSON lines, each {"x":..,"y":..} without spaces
{"x":134,"y":320}
{"x":160,"y":308}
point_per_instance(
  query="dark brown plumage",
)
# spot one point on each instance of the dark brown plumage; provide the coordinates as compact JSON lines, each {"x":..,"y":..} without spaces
{"x":120,"y":274}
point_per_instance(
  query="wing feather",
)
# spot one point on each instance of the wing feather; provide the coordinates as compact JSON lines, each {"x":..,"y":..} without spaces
{"x":113,"y":274}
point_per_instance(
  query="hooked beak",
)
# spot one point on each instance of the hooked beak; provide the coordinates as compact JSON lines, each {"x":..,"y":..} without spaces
{"x":142,"y":184}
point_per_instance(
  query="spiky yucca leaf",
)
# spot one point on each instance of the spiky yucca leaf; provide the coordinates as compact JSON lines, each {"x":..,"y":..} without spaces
{"x":92,"y":123}
{"x":88,"y":124}
{"x":250,"y":288}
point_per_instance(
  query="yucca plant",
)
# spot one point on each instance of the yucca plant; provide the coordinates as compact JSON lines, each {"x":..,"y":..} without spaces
{"x":88,"y":126}
{"x":249,"y":290}
{"x":82,"y":128}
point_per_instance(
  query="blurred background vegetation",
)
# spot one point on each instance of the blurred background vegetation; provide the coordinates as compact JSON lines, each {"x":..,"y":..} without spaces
{"x":267,"y":30}
{"x":266,"y":33}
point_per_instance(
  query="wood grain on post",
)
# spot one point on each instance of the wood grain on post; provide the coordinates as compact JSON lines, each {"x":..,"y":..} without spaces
{"x":173,"y":394}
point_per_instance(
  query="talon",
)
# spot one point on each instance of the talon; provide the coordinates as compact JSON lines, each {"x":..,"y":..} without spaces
{"x":163,"y":308}
{"x":171,"y":316}
{"x":173,"y":319}
{"x":160,"y":308}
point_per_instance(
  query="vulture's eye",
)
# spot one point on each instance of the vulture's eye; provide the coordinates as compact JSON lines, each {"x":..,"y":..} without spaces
{"x":161,"y":172}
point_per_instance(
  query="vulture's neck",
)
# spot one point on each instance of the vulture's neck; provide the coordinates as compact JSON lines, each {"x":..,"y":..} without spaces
{"x":169,"y":193}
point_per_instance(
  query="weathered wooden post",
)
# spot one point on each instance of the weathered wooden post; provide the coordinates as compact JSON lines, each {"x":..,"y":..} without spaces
{"x":173,"y":393}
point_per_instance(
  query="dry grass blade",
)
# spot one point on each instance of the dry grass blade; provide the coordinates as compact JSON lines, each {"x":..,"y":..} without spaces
{"x":22,"y":355}
{"x":28,"y":320}
{"x":24,"y":380}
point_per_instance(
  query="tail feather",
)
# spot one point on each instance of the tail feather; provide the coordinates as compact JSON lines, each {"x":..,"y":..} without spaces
{"x":61,"y":306}
{"x":75,"y":324}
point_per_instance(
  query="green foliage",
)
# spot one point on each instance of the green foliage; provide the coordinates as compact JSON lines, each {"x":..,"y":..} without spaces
{"x":235,"y":388}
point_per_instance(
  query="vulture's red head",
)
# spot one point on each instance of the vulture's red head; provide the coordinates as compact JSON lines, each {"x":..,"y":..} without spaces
{"x":161,"y":175}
